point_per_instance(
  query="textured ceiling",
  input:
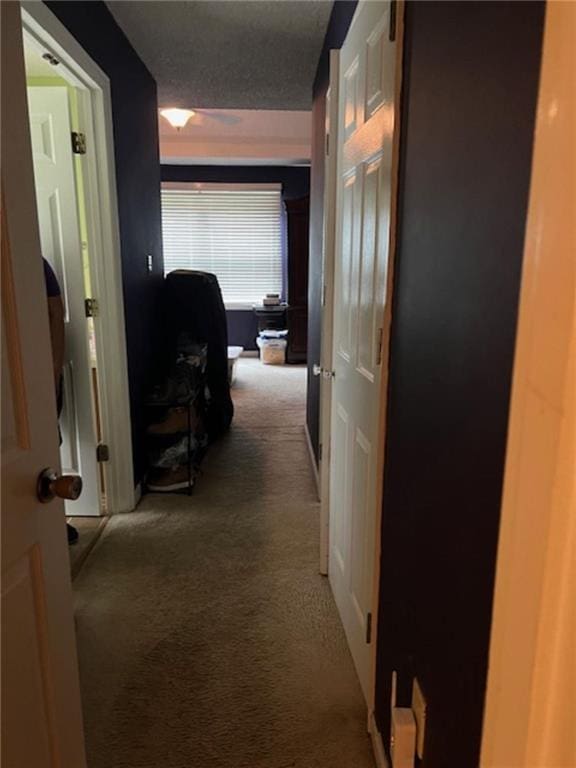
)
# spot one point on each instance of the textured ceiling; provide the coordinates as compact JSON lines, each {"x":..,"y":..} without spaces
{"x":228,"y":54}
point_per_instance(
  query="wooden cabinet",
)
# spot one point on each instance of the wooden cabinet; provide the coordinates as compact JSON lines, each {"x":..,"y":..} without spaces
{"x":298,"y":214}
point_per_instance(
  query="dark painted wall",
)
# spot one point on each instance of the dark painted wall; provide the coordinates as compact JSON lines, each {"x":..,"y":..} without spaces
{"x":135,"y":118}
{"x":295,"y":180}
{"x":338,"y":25}
{"x":242,"y":328}
{"x":470,"y":88}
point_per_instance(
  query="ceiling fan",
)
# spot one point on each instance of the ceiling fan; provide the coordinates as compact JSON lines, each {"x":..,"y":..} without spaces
{"x":178,"y":118}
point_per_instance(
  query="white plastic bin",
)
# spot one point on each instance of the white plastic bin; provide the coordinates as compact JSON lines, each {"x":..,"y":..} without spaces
{"x":233,"y":355}
{"x":272,"y":351}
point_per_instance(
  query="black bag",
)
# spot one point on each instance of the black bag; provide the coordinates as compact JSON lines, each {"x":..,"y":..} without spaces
{"x":192,"y":305}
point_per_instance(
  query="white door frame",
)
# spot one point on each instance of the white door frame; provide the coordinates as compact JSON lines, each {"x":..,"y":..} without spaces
{"x":330,"y":239}
{"x":95,"y":105}
{"x":327,"y":319}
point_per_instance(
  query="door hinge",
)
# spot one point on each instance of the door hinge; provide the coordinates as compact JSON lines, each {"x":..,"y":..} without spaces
{"x":91,"y":307}
{"x":78,"y":143}
{"x":320,"y":452}
{"x":326,"y":373}
{"x":324,"y":288}
{"x":379,"y":349}
{"x":102,"y":452}
{"x":369,"y":628}
{"x":327,"y":145}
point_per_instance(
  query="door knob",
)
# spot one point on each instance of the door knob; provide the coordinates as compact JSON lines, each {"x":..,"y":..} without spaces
{"x":52,"y":485}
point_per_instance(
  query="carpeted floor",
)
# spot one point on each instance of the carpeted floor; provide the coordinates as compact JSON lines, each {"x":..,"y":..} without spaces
{"x":206,"y":637}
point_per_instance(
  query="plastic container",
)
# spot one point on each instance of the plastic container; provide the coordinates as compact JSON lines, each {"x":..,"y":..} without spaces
{"x":272,"y":351}
{"x":272,"y":333}
{"x":233,"y":355}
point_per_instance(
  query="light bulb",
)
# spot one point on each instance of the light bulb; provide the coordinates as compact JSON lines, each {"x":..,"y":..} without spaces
{"x":177,"y":117}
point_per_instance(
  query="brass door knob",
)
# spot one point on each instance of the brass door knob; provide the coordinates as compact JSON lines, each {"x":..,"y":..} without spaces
{"x":52,"y":485}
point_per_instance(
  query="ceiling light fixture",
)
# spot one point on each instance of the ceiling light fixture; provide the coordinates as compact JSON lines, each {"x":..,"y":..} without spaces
{"x":177,"y":117}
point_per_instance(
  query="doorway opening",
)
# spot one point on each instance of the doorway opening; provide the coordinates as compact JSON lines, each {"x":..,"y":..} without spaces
{"x":238,"y":250}
{"x":54,"y":113}
{"x":361,"y":171}
{"x":71,"y":135}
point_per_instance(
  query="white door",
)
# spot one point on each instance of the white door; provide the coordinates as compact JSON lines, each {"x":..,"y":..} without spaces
{"x":61,"y":246}
{"x":41,"y":714}
{"x":361,"y":320}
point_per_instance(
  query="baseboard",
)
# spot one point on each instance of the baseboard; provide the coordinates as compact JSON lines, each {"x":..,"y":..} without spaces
{"x":312,"y":460}
{"x":377,"y":743}
{"x":81,"y":559}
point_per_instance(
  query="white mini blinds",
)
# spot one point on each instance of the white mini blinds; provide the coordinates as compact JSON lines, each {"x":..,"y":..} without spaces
{"x":235,"y":232}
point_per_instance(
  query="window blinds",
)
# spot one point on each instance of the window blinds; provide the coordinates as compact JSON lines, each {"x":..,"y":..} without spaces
{"x":234,"y":233}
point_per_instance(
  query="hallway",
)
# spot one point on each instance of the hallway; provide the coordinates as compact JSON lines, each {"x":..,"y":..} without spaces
{"x":206,"y":637}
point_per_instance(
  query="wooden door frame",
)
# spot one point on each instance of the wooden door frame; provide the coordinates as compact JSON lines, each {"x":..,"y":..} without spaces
{"x":331,"y":219}
{"x":95,"y":106}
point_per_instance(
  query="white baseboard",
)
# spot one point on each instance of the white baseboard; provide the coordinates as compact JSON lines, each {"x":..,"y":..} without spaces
{"x":312,"y":460}
{"x":377,"y":743}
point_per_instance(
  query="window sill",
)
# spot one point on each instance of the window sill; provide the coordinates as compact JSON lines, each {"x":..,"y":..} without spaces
{"x":239,"y":306}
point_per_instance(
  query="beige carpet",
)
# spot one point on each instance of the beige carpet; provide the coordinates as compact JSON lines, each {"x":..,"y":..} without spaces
{"x":207,"y":639}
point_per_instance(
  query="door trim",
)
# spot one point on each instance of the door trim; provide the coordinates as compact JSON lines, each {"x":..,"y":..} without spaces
{"x":104,"y":233}
{"x":327,"y":315}
{"x":529,"y":701}
{"x":329,"y":245}
{"x":377,"y":742}
{"x":386,"y":335}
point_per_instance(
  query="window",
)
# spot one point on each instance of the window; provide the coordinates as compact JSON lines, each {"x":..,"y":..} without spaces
{"x":235,"y":232}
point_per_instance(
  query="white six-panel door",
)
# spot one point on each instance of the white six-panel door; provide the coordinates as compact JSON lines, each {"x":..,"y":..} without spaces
{"x":41,"y":713}
{"x":364,"y":182}
{"x":61,"y":246}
